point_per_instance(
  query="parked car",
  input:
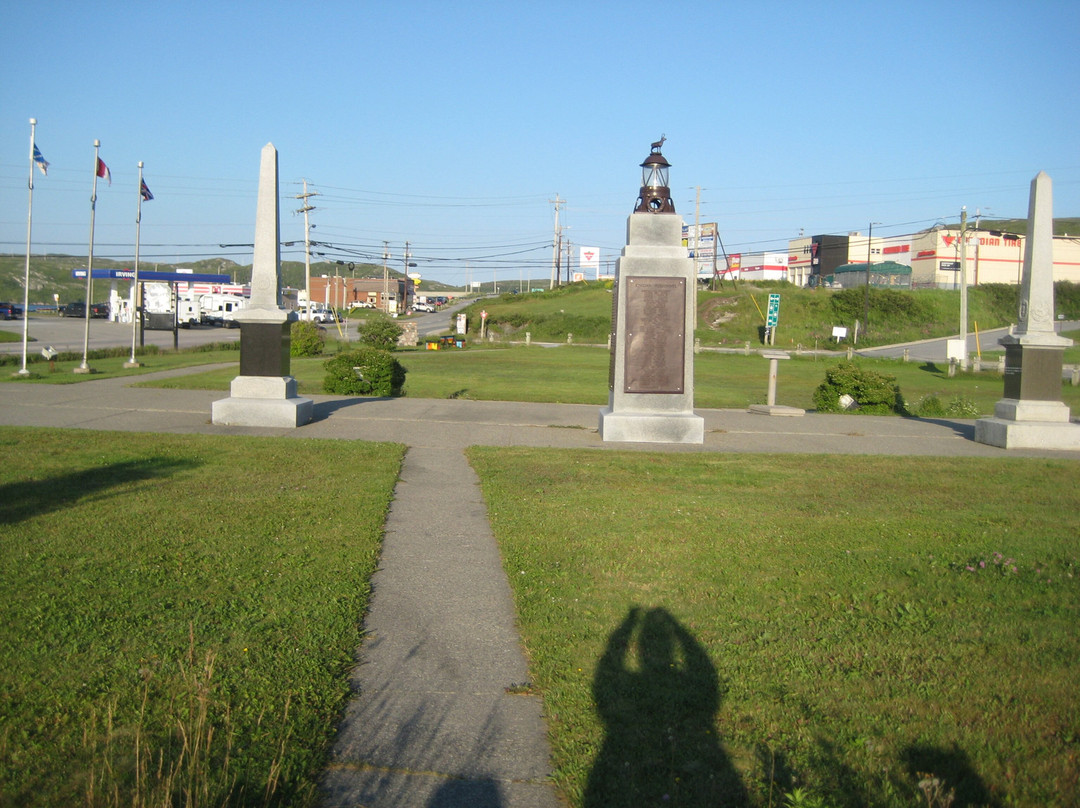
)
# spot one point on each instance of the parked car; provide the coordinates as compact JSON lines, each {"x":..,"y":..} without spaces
{"x":430,"y":307}
{"x":78,"y":309}
{"x":10,"y":311}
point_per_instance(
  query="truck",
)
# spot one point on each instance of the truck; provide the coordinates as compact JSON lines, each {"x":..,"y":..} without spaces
{"x":319,"y":314}
{"x":221,"y":309}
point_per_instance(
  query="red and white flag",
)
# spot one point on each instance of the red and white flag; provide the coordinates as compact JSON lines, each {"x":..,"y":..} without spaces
{"x":103,"y":170}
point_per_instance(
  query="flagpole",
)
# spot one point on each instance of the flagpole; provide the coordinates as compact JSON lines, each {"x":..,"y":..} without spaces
{"x":29,"y":226}
{"x":85,"y":367}
{"x":133,"y":363}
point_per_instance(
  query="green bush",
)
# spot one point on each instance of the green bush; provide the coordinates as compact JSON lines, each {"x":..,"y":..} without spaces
{"x":307,"y":339}
{"x":875,"y":393}
{"x":364,"y":372}
{"x":380,"y":332}
{"x":931,"y":406}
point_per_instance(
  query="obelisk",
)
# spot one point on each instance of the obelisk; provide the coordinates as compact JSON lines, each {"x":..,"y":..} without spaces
{"x":1032,"y":414}
{"x":264,"y":394}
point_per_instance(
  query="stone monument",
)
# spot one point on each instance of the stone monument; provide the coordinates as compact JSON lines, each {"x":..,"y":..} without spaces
{"x":651,"y":372}
{"x":264,"y":394}
{"x":1032,"y":414}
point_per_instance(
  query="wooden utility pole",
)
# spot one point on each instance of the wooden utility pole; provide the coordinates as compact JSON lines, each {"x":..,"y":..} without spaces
{"x":557,"y":243}
{"x":305,"y":209}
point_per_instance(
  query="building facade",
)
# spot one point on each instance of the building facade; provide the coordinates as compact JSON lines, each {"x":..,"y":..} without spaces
{"x":934,"y":257}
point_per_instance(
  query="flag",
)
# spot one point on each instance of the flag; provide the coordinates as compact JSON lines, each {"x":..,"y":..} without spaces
{"x":42,"y":163}
{"x":103,"y":170}
{"x":145,"y":192}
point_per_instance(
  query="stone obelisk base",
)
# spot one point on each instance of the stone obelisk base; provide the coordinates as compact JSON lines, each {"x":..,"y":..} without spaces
{"x":651,"y":373}
{"x":1031,"y":416}
{"x":651,"y":427}
{"x":262,"y":401}
{"x":1019,"y":424}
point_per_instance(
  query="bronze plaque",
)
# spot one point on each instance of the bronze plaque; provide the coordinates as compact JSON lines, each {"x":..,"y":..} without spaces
{"x":654,"y":359}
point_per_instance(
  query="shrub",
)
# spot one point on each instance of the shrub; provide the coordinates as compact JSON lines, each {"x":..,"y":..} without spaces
{"x":364,"y":372}
{"x":931,"y":406}
{"x":875,"y":393}
{"x":380,"y":332}
{"x":307,"y":339}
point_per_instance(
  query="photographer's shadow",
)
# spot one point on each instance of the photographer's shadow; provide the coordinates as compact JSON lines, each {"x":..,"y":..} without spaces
{"x":658,"y":693}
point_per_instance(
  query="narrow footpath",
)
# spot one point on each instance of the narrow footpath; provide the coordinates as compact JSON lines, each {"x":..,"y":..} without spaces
{"x":435,"y":721}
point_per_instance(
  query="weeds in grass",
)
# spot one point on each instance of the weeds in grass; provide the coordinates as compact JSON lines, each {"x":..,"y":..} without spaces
{"x":935,"y":791}
{"x":193,"y":766}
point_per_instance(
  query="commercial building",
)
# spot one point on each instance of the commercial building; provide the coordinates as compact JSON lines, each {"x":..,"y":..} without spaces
{"x":933,"y":255}
{"x":393,"y":295}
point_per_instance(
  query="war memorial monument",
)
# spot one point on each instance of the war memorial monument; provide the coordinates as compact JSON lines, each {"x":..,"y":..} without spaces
{"x":651,"y":373}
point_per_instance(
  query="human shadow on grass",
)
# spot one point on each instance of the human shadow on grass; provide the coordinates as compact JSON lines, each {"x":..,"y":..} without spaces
{"x":22,"y":500}
{"x":953,"y":769}
{"x":932,"y":775}
{"x":658,"y":693}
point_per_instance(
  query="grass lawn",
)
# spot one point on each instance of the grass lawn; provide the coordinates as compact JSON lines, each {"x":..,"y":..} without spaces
{"x":181,"y":610}
{"x":109,"y":363}
{"x":578,"y":374}
{"x":716,"y":629}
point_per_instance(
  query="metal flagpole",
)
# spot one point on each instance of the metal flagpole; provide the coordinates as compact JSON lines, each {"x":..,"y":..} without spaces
{"x":29,"y":224}
{"x":132,"y":363}
{"x":85,"y":367}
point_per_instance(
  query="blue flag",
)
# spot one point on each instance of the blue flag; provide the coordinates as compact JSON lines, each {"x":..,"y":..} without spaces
{"x":146,"y":195}
{"x":42,"y":163}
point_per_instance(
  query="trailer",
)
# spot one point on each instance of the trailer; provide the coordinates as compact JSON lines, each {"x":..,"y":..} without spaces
{"x":220,"y":309}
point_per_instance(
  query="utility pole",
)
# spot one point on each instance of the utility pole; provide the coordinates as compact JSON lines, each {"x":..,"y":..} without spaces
{"x":385,"y":277}
{"x":697,"y":247}
{"x":403,"y":304}
{"x":963,"y":288}
{"x":557,"y":243}
{"x":568,"y":260}
{"x":305,"y":209}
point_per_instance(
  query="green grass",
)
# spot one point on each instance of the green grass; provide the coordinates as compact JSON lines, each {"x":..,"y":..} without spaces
{"x":720,"y":629}
{"x":578,"y":374}
{"x":157,"y":602}
{"x":109,"y":363}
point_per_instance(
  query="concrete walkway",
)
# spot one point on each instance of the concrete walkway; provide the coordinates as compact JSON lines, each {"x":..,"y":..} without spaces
{"x":432,"y":723}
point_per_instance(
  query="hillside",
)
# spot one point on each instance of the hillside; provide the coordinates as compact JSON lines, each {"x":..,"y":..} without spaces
{"x":734,"y":316}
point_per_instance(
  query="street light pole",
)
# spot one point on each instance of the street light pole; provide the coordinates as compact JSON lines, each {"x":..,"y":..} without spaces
{"x":963,"y":288}
{"x":866,"y":307}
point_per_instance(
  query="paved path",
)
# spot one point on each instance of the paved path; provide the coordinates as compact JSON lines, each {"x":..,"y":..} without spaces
{"x":432,"y":723}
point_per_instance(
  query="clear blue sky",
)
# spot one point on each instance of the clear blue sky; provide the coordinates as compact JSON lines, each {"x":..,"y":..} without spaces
{"x":454,"y":125}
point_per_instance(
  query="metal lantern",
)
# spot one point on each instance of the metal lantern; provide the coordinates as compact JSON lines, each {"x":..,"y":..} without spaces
{"x":655,"y":195}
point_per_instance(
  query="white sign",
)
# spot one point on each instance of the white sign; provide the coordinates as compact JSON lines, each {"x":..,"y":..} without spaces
{"x":589,"y":258}
{"x":839,"y":332}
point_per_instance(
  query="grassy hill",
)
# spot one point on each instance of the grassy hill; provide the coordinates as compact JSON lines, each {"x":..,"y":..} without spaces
{"x":734,"y":315}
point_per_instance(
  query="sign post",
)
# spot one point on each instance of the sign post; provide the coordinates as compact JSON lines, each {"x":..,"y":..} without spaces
{"x":772,"y":317}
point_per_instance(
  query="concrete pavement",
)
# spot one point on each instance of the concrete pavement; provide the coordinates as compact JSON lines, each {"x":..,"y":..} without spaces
{"x":436,"y":719}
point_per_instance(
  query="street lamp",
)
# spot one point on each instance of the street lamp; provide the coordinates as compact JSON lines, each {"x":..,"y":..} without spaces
{"x":866,"y":312}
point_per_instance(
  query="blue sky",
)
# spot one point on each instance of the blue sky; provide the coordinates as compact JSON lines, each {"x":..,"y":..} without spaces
{"x":454,"y":125}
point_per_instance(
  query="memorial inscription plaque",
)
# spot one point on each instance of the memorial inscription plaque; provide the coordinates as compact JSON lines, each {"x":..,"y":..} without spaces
{"x":654,"y":358}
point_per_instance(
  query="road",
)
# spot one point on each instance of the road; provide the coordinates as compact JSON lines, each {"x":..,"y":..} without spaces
{"x":66,"y":334}
{"x":934,"y":350}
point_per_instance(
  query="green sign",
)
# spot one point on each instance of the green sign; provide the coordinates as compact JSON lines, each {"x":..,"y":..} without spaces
{"x":773,"y":313}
